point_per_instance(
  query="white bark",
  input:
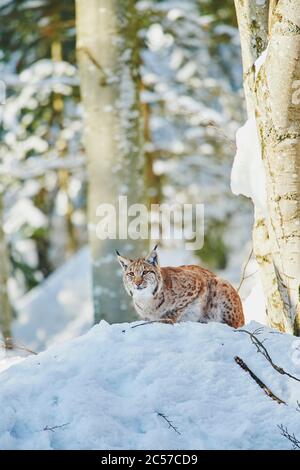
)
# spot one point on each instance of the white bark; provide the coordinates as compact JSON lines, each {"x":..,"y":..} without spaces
{"x":253,"y":28}
{"x":108,"y":60}
{"x":270,"y":94}
{"x":278,"y":116}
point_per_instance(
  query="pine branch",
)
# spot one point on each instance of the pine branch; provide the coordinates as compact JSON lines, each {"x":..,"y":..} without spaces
{"x":171,"y":425}
{"x":263,"y":386}
{"x":262,"y":349}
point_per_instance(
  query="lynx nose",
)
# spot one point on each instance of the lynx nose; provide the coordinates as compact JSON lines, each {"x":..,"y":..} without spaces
{"x":138,"y":281}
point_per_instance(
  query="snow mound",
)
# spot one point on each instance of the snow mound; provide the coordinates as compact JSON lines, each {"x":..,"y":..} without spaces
{"x":108,"y":390}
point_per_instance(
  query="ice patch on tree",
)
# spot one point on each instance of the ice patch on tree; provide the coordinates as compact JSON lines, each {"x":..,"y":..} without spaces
{"x":248,"y":173}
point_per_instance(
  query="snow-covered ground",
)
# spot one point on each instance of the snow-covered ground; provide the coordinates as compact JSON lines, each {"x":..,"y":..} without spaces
{"x":106,"y":389}
{"x":60,"y":308}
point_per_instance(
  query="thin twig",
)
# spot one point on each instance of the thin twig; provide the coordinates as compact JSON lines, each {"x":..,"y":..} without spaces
{"x":171,"y":425}
{"x":53,"y":428}
{"x":142,"y":324}
{"x":145,"y":323}
{"x":251,"y":274}
{"x":14,"y":345}
{"x":220,"y":131}
{"x":94,"y":61}
{"x":148,"y":323}
{"x":262,"y":349}
{"x":244,"y":270}
{"x":291,"y":437}
{"x":259,"y":382}
{"x":7,"y":343}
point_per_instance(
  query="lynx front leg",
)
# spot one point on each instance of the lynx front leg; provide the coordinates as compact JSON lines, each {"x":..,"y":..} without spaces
{"x":171,"y":317}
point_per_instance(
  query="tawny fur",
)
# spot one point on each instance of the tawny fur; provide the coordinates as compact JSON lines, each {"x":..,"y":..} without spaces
{"x":184,"y":293}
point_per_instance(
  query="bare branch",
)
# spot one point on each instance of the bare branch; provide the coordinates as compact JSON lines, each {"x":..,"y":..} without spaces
{"x":291,"y":437}
{"x":165,"y":321}
{"x":53,"y":428}
{"x":264,"y":387}
{"x":94,"y":61}
{"x":262,"y":349}
{"x":142,"y":324}
{"x":10,"y":343}
{"x":222,"y":134}
{"x":145,"y":323}
{"x":244,"y":270}
{"x":171,"y":425}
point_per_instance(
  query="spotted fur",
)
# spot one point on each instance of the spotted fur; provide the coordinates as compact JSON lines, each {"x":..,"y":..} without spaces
{"x":184,"y":293}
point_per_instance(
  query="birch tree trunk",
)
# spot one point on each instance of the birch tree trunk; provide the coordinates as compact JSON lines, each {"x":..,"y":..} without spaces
{"x":5,"y":307}
{"x":108,"y":58}
{"x":272,"y":94}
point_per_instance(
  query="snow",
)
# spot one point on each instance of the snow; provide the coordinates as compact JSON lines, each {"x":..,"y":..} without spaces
{"x":7,"y":360}
{"x":104,"y":390}
{"x":254,"y":305}
{"x":60,"y":308}
{"x":22,"y":213}
{"x":260,"y":61}
{"x":248,"y":173}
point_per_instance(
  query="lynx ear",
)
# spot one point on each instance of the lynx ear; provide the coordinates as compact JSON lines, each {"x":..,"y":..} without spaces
{"x":152,"y":258}
{"x":124,"y":262}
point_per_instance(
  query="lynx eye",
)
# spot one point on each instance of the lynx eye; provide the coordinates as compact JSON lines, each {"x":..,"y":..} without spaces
{"x":131,"y":274}
{"x":145,"y":272}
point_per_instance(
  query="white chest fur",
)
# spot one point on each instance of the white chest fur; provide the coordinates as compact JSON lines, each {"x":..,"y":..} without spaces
{"x":143,"y":301}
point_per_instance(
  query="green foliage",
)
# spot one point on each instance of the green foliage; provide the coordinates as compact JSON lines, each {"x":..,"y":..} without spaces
{"x":28,"y":30}
{"x":215,"y":251}
{"x":222,"y":11}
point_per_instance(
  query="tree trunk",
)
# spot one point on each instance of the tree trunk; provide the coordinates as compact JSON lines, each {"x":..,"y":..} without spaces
{"x":252,"y":19}
{"x":278,"y":117}
{"x":270,"y":93}
{"x":154,"y":190}
{"x":5,"y":307}
{"x":108,"y":57}
{"x":71,"y":243}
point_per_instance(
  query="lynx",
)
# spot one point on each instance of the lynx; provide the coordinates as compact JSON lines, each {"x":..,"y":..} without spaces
{"x":184,"y":293}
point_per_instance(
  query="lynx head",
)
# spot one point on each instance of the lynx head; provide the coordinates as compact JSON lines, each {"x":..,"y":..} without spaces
{"x":141,"y":276}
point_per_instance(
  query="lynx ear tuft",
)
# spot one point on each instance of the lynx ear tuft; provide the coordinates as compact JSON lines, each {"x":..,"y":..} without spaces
{"x":124,"y":262}
{"x":152,"y":258}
